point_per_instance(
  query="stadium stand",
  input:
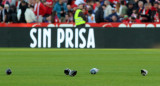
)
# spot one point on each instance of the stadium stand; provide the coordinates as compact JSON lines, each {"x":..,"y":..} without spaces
{"x":62,"y":11}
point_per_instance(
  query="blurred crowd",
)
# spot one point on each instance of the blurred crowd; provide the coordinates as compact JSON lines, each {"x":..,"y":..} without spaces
{"x":62,"y":11}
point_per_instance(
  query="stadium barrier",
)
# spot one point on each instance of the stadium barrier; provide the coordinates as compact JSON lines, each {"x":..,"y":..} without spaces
{"x":45,"y":37}
{"x":150,"y":25}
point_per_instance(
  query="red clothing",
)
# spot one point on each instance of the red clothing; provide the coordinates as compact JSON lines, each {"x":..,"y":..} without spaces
{"x":16,"y":3}
{"x":126,"y":21}
{"x":41,"y":7}
{"x":94,"y":6}
{"x":86,"y":12}
{"x":56,"y":19}
{"x":145,"y":12}
{"x":69,"y":21}
{"x":6,"y":1}
{"x":73,"y":1}
{"x":153,"y":9}
{"x":138,"y":21}
{"x":74,"y":5}
{"x":140,"y":10}
{"x":156,"y":17}
{"x":49,"y":9}
{"x":114,"y":1}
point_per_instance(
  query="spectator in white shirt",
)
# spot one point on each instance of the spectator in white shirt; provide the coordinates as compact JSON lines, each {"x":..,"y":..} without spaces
{"x":2,"y":14}
{"x":108,"y":9}
{"x":29,"y":15}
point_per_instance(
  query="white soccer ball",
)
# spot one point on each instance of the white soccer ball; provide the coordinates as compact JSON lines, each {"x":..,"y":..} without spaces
{"x":94,"y":70}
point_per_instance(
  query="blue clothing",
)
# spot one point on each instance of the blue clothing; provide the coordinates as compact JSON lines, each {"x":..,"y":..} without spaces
{"x":109,"y":18}
{"x":7,"y":2}
{"x":115,"y":21}
{"x":102,"y":2}
{"x":57,"y":8}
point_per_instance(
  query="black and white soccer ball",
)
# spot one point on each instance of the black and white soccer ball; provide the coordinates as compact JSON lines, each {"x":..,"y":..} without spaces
{"x":144,"y":72}
{"x":94,"y":70}
{"x":8,"y":72}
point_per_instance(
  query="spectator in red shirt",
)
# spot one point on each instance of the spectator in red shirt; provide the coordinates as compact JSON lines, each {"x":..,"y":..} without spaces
{"x":52,"y":18}
{"x":114,"y":1}
{"x":49,"y":5}
{"x":125,"y":20}
{"x":94,"y":5}
{"x":39,"y":10}
{"x":55,"y":18}
{"x":155,"y":6}
{"x":5,"y":2}
{"x":134,"y":20}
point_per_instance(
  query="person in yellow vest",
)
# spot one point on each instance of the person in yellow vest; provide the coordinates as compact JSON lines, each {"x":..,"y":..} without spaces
{"x":79,"y":17}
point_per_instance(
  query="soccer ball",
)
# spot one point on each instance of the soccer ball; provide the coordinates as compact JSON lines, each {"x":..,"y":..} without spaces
{"x":144,"y":72}
{"x":8,"y":72}
{"x":94,"y":70}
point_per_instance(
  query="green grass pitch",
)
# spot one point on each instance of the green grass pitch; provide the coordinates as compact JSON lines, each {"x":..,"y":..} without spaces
{"x":44,"y":67}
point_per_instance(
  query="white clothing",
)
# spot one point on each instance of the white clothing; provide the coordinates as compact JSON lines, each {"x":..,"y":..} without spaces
{"x":107,"y":11}
{"x":30,"y":16}
{"x":77,"y":2}
{"x":91,"y":19}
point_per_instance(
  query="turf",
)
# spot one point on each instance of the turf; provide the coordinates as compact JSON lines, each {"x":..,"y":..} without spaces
{"x":44,"y":67}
